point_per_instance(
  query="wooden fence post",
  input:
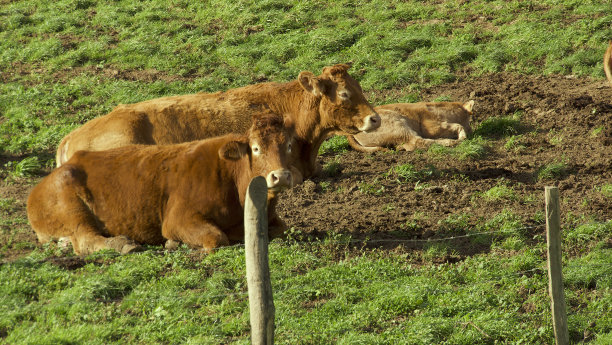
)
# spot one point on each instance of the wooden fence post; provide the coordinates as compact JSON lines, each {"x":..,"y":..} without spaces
{"x":261,"y":303}
{"x":555,"y":277}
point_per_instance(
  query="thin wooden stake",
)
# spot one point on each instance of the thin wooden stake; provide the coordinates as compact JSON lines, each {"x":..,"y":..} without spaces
{"x":261,"y":303}
{"x":555,"y":277}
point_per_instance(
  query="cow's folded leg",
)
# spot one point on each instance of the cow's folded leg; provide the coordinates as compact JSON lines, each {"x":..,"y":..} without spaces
{"x":86,"y":240}
{"x":451,"y":130}
{"x":193,"y":230}
{"x":423,"y":143}
{"x":446,"y":142}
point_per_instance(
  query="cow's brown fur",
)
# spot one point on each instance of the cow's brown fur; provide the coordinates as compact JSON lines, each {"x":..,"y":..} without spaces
{"x":191,"y":192}
{"x":410,"y":126}
{"x":608,"y":63}
{"x":316,"y":105}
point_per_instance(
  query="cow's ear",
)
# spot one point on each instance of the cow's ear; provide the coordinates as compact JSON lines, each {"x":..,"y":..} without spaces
{"x":311,"y":83}
{"x":338,"y":69}
{"x":469,"y":105}
{"x":233,"y":150}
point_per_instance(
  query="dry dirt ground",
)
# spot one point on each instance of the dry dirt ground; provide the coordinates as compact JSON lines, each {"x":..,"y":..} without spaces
{"x":563,"y":120}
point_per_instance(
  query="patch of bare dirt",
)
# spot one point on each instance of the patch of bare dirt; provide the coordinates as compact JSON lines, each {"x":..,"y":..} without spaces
{"x":565,"y":119}
{"x":18,"y":71}
{"x":573,"y":113}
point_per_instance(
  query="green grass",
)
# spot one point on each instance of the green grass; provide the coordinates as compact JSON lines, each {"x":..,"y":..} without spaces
{"x":606,"y":190}
{"x":501,"y":191}
{"x":372,"y":297}
{"x":332,"y":169}
{"x":552,"y":171}
{"x":24,"y":168}
{"x":514,"y":144}
{"x":65,"y":62}
{"x":371,"y":188}
{"x":499,"y":126}
{"x":408,"y":173}
{"x":474,"y":148}
{"x":336,"y":144}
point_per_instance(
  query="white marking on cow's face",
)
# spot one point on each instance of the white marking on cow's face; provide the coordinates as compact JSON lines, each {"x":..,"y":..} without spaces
{"x":256,"y":149}
{"x":370,"y":123}
{"x":344,"y":95}
{"x":279,"y":179}
{"x":289,"y":147}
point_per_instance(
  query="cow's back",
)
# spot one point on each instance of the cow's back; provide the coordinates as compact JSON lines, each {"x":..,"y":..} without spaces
{"x":172,"y":120}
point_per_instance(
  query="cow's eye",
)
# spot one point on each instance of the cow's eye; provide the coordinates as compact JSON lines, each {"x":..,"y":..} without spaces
{"x":344,"y":95}
{"x":289,"y":148}
{"x":256,"y":150}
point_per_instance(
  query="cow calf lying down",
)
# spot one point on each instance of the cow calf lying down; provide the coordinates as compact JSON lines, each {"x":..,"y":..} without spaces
{"x":191,"y":193}
{"x":410,"y":126}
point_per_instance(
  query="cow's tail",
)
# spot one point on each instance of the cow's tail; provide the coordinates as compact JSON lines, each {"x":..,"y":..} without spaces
{"x":608,"y":63}
{"x":61,"y":155}
{"x":357,"y":146}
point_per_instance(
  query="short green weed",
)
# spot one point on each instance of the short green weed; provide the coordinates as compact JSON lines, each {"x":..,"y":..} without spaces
{"x":552,"y":171}
{"x":408,"y":173}
{"x":455,"y":223}
{"x":332,"y":169}
{"x":606,"y":190}
{"x":502,"y":191}
{"x":514,"y":144}
{"x":24,"y":168}
{"x":474,"y":148}
{"x":499,"y":126}
{"x":373,"y":188}
{"x":336,"y":144}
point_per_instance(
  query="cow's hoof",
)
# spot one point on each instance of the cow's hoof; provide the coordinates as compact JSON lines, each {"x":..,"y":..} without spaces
{"x":64,"y":244}
{"x":123,"y":245}
{"x":172,"y":244}
{"x":131,"y":248}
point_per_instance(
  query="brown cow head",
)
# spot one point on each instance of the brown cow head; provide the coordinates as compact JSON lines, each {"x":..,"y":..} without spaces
{"x":267,"y":147}
{"x":343,"y":105}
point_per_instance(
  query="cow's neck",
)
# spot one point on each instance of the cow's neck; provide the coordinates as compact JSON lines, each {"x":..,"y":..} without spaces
{"x":291,"y":99}
{"x":305,"y":110}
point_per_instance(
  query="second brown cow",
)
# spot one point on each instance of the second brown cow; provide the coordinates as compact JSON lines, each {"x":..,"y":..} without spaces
{"x":317,"y":105}
{"x":192,"y":193}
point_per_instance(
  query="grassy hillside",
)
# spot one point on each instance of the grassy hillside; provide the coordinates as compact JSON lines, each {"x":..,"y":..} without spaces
{"x":65,"y":62}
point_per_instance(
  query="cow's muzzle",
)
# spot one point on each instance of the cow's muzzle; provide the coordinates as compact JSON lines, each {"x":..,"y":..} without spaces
{"x":279,"y":179}
{"x":370,"y":123}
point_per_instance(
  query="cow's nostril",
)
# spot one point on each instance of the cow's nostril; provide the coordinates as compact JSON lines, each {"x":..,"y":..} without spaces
{"x":274,"y":178}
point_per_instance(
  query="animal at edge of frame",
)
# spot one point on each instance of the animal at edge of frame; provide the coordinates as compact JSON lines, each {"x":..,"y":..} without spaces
{"x":607,"y":61}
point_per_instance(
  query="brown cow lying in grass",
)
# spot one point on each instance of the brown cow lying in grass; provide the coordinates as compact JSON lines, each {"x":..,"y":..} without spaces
{"x":410,"y":126}
{"x":316,"y":105}
{"x":191,"y":192}
{"x":608,"y":63}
